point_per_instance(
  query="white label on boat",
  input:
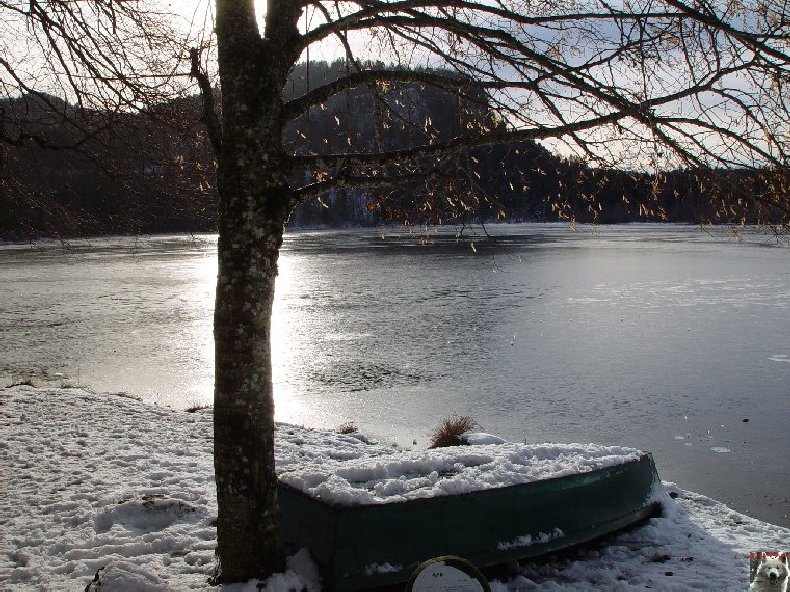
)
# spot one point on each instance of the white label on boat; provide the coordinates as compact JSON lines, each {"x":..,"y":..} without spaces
{"x":439,"y":577}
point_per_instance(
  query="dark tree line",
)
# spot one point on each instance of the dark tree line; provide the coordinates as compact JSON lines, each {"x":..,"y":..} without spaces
{"x":154,"y":172}
{"x":135,"y":174}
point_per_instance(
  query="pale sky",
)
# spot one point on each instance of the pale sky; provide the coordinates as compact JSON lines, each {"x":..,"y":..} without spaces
{"x":199,"y":12}
{"x":197,"y":16}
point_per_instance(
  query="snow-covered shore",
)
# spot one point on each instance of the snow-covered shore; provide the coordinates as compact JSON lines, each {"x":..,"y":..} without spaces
{"x":100,"y":481}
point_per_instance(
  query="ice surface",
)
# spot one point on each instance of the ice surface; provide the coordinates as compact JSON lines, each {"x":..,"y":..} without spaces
{"x":97,"y":483}
{"x":527,"y":540}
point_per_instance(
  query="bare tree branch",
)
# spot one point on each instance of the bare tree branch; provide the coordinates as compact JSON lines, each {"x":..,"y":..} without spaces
{"x":448,"y":148}
{"x":210,"y":118}
{"x":299,"y":105}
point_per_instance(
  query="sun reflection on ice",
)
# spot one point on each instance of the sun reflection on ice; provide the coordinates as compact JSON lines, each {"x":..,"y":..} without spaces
{"x":201,"y":334}
{"x":287,"y":406}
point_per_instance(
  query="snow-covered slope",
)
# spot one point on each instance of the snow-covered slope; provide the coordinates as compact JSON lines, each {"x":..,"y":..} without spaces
{"x":100,"y":481}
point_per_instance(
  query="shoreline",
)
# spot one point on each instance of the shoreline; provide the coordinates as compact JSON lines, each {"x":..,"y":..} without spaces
{"x":97,"y":481}
{"x":52,"y":381}
{"x":726,"y":228}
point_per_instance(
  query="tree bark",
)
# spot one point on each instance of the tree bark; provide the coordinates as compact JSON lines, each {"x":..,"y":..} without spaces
{"x":248,"y":533}
{"x":254,"y":202}
{"x":253,"y":196}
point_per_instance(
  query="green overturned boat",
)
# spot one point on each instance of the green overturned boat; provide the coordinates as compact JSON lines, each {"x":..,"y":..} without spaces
{"x":364,"y":545}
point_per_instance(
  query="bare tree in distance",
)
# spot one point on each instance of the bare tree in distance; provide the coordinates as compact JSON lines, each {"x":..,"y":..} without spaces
{"x":108,"y":56}
{"x":638,"y":83}
{"x":74,"y":78}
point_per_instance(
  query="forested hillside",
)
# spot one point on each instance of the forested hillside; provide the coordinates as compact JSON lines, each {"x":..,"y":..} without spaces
{"x":155,"y":172}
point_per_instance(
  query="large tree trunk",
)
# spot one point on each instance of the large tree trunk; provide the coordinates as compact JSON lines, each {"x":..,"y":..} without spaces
{"x":253,"y":208}
{"x":254,"y":204}
{"x":248,"y":534}
{"x":253,"y":196}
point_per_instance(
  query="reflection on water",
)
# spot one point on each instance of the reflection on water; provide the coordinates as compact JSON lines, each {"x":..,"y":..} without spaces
{"x":661,"y":337}
{"x":122,"y":314}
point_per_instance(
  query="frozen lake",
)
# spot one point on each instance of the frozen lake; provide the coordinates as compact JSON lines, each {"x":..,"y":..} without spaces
{"x":664,"y":338}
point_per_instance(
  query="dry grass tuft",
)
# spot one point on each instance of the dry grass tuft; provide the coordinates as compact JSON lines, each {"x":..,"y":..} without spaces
{"x":195,"y":407}
{"x":347,"y":428}
{"x":449,"y":431}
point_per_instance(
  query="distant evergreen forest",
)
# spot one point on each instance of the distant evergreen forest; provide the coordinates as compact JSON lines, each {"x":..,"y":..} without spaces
{"x":154,"y":172}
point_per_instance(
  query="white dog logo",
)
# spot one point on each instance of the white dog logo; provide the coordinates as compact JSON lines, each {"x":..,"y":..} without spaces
{"x":772,"y":574}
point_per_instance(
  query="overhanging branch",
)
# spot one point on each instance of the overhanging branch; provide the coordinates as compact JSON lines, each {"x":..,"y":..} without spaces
{"x":455,"y":84}
{"x":210,"y":117}
{"x":347,"y":181}
{"x":451,"y":147}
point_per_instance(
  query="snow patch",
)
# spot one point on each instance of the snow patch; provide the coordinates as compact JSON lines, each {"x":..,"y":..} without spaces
{"x":377,"y":568}
{"x":301,"y":573}
{"x":527,"y":540}
{"x":473,"y":438}
{"x":151,"y":512}
{"x":423,"y":474}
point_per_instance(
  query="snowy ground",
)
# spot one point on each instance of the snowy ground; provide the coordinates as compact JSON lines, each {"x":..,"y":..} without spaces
{"x":100,"y":481}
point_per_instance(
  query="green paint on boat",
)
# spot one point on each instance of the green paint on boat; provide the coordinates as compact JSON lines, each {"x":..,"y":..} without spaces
{"x":364,"y":546}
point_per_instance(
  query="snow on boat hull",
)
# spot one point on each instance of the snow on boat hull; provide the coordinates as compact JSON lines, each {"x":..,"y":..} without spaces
{"x":364,"y":546}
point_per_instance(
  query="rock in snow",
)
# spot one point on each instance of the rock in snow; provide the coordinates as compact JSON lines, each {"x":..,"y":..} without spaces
{"x":114,"y":486}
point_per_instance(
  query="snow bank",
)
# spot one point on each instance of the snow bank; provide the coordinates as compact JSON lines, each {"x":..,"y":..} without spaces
{"x":98,"y":483}
{"x":102,"y":481}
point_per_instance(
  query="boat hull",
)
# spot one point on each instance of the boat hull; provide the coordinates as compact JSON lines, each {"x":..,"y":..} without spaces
{"x":365,"y":546}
